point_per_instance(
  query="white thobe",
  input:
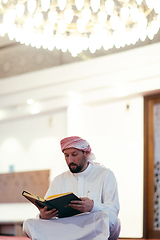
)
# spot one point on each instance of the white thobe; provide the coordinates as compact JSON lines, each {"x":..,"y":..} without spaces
{"x":95,"y":182}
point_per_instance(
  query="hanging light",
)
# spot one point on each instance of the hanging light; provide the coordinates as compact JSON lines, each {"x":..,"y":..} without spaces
{"x":9,"y":17}
{"x":58,"y":41}
{"x":62,"y":4}
{"x":11,"y":31}
{"x":109,"y":6}
{"x":149,"y":3}
{"x":156,"y":5}
{"x":150,"y":33}
{"x":52,"y":17}
{"x":102,"y":17}
{"x":95,"y":4}
{"x":38,"y":18}
{"x":81,"y":25}
{"x":124,"y":12}
{"x":45,"y":5}
{"x":98,"y":29}
{"x":79,"y":4}
{"x":134,"y":13}
{"x":31,"y":5}
{"x":28,"y":24}
{"x":90,"y":24}
{"x":68,"y":15}
{"x":64,"y":46}
{"x":143,"y":35}
{"x":158,"y":19}
{"x":114,"y":21}
{"x":62,"y":25}
{"x":86,"y":14}
{"x":48,"y":30}
{"x":139,"y":2}
{"x":2,"y":29}
{"x":92,"y":43}
{"x":20,"y":10}
{"x":85,"y":43}
{"x":38,"y":40}
{"x":142,"y":20}
{"x":155,"y":26}
{"x":18,"y":34}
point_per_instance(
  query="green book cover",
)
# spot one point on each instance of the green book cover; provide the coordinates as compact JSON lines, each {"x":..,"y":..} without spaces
{"x":60,"y":202}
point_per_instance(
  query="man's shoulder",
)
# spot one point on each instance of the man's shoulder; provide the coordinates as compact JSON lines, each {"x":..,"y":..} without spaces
{"x":102,"y":171}
{"x":63,"y":175}
{"x":99,"y":167}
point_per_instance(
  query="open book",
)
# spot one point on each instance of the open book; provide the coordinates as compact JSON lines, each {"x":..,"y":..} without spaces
{"x":60,"y":202}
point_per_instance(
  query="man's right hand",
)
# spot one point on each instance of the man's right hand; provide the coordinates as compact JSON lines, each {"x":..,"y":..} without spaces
{"x":48,"y":214}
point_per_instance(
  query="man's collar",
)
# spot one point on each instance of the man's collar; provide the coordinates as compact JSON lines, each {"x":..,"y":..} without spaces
{"x":86,"y":171}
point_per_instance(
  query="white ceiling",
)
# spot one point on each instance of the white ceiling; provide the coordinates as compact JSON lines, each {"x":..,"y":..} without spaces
{"x":17,"y":59}
{"x":99,"y":80}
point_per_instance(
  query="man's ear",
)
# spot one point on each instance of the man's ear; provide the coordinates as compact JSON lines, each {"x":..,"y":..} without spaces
{"x":86,"y":154}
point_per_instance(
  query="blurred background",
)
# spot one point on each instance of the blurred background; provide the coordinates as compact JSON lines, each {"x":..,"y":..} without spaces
{"x":98,"y":81}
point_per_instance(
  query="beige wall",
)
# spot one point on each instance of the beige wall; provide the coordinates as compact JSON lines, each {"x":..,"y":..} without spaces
{"x":97,"y":110}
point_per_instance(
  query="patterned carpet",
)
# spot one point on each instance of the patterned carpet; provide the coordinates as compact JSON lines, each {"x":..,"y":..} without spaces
{"x":13,"y":238}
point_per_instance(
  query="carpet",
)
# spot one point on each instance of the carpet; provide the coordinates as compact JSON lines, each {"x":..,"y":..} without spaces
{"x":13,"y":238}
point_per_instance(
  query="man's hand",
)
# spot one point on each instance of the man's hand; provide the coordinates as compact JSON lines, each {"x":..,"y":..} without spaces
{"x":45,"y":214}
{"x":85,"y":205}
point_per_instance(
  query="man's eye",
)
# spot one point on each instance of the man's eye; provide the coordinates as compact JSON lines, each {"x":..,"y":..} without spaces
{"x":74,"y":154}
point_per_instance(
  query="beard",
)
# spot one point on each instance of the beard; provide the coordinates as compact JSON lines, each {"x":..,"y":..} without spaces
{"x":75,"y":169}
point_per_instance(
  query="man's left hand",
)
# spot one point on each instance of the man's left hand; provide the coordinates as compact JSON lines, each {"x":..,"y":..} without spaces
{"x":85,"y":205}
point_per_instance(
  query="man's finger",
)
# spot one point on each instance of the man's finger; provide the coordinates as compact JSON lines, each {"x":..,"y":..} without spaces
{"x":76,"y":202}
{"x":83,"y":198}
{"x":75,"y":206}
{"x":52,"y":210}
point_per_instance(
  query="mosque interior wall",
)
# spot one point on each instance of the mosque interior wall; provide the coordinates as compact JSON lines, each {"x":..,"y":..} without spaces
{"x":94,"y":99}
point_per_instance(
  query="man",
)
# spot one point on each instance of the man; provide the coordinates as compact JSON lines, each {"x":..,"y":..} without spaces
{"x":94,"y":184}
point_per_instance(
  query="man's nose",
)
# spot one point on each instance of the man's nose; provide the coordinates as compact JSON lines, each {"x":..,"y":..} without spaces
{"x":71,"y":159}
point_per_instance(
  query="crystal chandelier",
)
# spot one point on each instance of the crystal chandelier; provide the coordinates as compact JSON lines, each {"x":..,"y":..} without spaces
{"x":78,"y":25}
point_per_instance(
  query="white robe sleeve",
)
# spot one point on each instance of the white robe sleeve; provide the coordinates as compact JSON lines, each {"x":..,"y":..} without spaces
{"x":55,"y":188}
{"x":110,"y":200}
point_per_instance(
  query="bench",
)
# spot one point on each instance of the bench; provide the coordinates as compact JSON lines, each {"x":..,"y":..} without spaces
{"x":13,"y":228}
{"x":14,"y":208}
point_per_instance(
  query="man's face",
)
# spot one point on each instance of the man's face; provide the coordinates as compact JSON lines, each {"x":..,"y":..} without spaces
{"x":76,"y":160}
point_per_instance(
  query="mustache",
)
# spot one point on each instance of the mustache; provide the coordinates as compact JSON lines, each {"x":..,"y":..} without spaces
{"x":73,"y":164}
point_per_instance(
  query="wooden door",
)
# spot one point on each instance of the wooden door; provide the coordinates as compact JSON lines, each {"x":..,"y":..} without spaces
{"x":152,"y":166}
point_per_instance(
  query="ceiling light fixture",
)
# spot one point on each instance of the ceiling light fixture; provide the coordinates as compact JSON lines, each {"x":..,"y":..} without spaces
{"x":30,"y":101}
{"x":78,"y":25}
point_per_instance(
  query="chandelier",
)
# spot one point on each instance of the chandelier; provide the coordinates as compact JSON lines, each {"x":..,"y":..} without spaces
{"x":78,"y":25}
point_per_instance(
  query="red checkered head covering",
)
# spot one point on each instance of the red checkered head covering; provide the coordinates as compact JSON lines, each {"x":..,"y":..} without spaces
{"x":78,"y":143}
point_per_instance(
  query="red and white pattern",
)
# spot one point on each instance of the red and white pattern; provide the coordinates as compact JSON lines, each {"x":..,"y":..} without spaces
{"x":78,"y":143}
